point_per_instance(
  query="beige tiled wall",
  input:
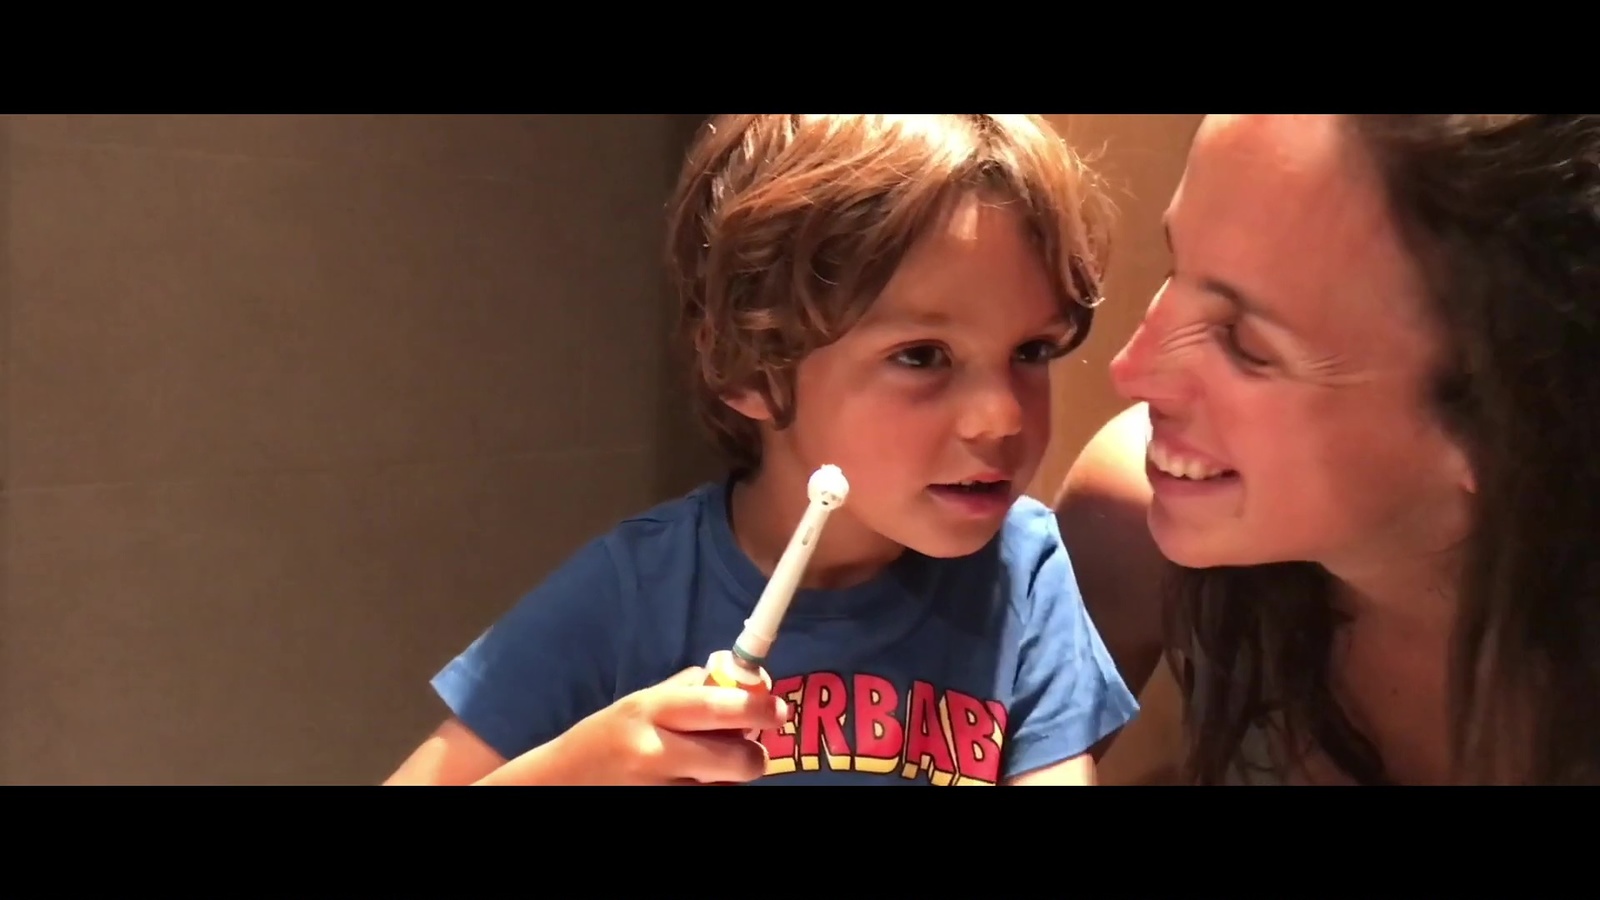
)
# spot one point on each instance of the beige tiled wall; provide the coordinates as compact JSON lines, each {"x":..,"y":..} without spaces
{"x":1141,"y":159}
{"x":296,"y":405}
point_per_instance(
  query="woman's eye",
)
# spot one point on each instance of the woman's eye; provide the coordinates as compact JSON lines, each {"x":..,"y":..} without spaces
{"x":1228,"y":336}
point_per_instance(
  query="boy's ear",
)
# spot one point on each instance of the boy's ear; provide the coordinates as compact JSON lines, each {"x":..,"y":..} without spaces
{"x":749,"y":403}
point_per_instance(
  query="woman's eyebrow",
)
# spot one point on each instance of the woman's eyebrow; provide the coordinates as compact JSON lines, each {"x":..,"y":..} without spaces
{"x":1241,"y":301}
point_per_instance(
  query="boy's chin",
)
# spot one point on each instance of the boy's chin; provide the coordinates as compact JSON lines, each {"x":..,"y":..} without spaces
{"x":947,"y":544}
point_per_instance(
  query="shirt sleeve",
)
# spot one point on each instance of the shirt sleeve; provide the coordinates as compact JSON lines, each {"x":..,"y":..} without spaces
{"x":545,"y":665}
{"x":1068,"y":693}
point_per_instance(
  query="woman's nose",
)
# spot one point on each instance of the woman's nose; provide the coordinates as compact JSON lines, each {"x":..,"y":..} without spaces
{"x":1145,"y":370}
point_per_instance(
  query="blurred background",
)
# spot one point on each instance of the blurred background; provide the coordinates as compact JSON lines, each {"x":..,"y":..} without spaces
{"x":295,"y":406}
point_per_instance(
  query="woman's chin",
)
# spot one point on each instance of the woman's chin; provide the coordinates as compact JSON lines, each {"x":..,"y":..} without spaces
{"x":1201,"y":548}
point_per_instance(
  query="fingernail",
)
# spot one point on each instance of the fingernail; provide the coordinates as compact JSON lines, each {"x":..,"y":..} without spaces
{"x":783,"y":709}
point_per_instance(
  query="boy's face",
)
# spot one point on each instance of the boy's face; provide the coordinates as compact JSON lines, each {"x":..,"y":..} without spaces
{"x":937,"y":403}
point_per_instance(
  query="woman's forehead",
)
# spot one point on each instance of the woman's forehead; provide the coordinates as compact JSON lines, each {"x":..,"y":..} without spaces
{"x":1288,"y":211}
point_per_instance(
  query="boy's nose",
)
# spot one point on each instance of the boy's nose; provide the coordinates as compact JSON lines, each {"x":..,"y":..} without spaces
{"x":992,"y":410}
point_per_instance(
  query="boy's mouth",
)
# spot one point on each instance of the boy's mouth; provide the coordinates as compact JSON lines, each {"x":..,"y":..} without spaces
{"x":980,"y":487}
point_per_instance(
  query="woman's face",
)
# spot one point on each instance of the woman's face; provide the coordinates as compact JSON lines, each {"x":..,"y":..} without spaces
{"x":1287,"y":362}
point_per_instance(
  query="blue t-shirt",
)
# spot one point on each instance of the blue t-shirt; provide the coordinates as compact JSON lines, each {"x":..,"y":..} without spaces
{"x":938,"y":671}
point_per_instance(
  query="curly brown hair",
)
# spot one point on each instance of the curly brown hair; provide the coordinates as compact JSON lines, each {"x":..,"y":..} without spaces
{"x":784,"y":228}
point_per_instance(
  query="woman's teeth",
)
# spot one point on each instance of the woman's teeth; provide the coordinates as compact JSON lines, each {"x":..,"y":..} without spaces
{"x":1180,"y":466}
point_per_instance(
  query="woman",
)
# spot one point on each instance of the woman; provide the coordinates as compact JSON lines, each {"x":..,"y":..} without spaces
{"x":1366,"y":440}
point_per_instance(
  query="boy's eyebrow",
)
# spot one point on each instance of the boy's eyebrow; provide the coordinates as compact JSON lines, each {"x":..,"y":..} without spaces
{"x":904,"y":320}
{"x":901,"y":320}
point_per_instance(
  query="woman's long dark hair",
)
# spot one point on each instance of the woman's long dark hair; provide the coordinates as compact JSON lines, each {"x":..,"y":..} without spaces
{"x":1502,"y":214}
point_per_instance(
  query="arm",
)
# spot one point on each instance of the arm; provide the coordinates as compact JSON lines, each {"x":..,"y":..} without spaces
{"x":1068,"y":695}
{"x":454,"y":755}
{"x":1101,"y":510}
{"x":1151,"y":749}
{"x":451,"y":755}
{"x":545,"y":666}
{"x":1078,"y":771}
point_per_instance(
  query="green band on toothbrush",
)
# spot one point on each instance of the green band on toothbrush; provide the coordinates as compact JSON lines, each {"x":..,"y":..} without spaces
{"x":747,"y":656}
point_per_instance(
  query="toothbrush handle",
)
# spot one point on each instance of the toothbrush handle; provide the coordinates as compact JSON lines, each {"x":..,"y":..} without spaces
{"x":722,"y":671}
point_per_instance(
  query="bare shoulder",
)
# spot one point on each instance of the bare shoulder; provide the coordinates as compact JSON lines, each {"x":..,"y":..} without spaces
{"x":1108,"y":475}
{"x":1102,"y":507}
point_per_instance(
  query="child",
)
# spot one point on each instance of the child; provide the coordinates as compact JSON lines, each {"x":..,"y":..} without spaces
{"x":883,"y":293}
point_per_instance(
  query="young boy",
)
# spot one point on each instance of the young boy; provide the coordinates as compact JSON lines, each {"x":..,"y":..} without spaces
{"x":883,"y":293}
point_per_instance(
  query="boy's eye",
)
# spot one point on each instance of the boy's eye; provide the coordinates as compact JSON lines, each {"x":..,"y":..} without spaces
{"x":926,"y":356}
{"x":1041,"y":352}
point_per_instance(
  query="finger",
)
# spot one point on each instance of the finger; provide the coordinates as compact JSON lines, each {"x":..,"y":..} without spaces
{"x":712,"y":758}
{"x":690,"y":676}
{"x":699,"y":708}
